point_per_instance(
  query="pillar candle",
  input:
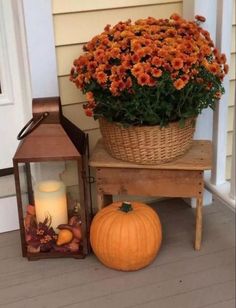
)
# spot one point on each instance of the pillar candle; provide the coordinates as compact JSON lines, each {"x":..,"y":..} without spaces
{"x":50,"y":201}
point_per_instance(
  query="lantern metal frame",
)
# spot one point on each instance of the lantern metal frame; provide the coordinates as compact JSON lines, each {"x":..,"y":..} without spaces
{"x":53,"y":138}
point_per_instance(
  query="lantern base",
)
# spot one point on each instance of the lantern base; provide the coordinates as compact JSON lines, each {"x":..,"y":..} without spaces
{"x":54,"y":254}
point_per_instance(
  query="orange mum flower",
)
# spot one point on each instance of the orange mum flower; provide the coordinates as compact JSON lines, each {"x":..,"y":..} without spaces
{"x":137,"y":69}
{"x":206,"y":50}
{"x":128,"y":83}
{"x":114,"y":52}
{"x":177,"y":63}
{"x":221,"y":76}
{"x":146,"y":67}
{"x":135,"y":58}
{"x":89,"y":96}
{"x":143,"y":79}
{"x":175,"y":16}
{"x":174,"y":75}
{"x":206,"y":34}
{"x":124,"y":44}
{"x":114,"y":88}
{"x":223,"y":58}
{"x":92,"y":66}
{"x":105,"y":41}
{"x":152,"y":82}
{"x":156,"y":72}
{"x":147,"y":50}
{"x":101,"y":77}
{"x":218,"y":95}
{"x":89,"y":112}
{"x":171,"y":32}
{"x":135,"y":45}
{"x":163,"y":53}
{"x":156,"y":61}
{"x":147,"y":42}
{"x":214,"y":68}
{"x":226,"y":68}
{"x":141,"y":52}
{"x":121,"y":85}
{"x":107,"y":28}
{"x":185,"y":78}
{"x":121,"y":70}
{"x":99,"y":53}
{"x":83,"y":60}
{"x":167,"y":67}
{"x":80,"y":81}
{"x":191,"y":60}
{"x":127,"y":64}
{"x":200,"y":18}
{"x":179,"y":84}
{"x":215,"y":52}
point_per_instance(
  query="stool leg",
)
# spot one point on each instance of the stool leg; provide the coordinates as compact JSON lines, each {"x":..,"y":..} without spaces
{"x":198,"y":235}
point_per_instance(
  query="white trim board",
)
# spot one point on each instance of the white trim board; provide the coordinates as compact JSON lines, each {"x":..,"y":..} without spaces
{"x":8,"y":214}
{"x":41,"y":47}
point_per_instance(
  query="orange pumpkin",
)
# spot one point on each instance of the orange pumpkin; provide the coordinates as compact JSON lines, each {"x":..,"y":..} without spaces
{"x":126,"y":236}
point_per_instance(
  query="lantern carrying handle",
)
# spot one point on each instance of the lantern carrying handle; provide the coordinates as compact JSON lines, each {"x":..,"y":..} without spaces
{"x":28,"y":128}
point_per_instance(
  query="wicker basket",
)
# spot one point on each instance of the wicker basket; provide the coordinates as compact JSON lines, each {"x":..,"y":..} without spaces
{"x":147,"y":144}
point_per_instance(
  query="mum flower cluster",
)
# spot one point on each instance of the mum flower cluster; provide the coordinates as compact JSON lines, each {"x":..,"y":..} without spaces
{"x":154,"y":71}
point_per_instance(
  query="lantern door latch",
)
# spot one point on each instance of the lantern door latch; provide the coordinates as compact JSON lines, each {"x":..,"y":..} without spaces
{"x":88,"y":178}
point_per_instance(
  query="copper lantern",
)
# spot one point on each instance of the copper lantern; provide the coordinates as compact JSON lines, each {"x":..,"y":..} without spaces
{"x":53,"y":197}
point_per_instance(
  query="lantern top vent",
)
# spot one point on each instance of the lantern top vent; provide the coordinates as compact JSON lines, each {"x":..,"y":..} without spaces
{"x":49,"y":135}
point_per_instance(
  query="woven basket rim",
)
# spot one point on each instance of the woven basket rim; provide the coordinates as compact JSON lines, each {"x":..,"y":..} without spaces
{"x":169,"y":125}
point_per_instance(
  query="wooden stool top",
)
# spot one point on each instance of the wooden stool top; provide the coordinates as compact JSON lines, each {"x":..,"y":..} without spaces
{"x":198,"y":157}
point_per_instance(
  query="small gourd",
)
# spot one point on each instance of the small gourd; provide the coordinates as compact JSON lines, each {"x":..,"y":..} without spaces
{"x":126,"y":236}
{"x":65,"y":236}
{"x":74,"y":229}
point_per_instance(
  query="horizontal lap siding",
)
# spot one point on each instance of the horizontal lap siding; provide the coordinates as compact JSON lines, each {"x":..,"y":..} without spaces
{"x":79,"y":27}
{"x":233,"y":47}
{"x":69,"y":93}
{"x":76,"y":22}
{"x":231,"y":92}
{"x":62,"y":6}
{"x":232,"y":66}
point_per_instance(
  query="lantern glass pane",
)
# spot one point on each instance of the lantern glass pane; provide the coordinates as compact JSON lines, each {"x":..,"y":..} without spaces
{"x":52,"y":213}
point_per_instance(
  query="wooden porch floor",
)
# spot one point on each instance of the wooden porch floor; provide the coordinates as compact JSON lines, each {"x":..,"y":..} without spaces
{"x":179,"y":277}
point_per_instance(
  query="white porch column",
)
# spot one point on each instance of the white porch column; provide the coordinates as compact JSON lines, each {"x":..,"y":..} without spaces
{"x":223,"y":43}
{"x":217,"y":183}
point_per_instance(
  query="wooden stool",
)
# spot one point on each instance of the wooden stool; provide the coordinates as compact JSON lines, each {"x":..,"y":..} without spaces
{"x":182,"y":177}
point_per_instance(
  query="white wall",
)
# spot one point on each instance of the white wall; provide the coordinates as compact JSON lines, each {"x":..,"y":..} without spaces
{"x":41,"y":50}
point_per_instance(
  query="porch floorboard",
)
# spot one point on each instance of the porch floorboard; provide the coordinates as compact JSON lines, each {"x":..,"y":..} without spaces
{"x":179,"y":277}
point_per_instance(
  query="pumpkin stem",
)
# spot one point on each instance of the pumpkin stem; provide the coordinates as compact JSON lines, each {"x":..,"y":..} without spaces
{"x":126,"y":207}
